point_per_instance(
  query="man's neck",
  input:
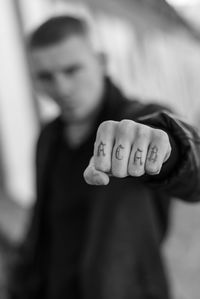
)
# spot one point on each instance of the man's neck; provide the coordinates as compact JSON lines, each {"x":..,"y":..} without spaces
{"x":76,"y":134}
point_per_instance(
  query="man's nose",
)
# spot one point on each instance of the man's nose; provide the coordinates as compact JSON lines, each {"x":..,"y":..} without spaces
{"x":63,"y":84}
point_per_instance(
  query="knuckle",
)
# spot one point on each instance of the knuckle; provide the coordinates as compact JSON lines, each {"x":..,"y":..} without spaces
{"x":143,"y":132}
{"x":125,"y":127}
{"x":106,"y":127}
{"x":161,"y":135}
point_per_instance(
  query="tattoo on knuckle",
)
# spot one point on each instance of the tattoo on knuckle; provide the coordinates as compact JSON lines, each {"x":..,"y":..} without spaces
{"x":138,"y":157}
{"x":118,"y":152}
{"x":101,"y":149}
{"x":153,"y":154}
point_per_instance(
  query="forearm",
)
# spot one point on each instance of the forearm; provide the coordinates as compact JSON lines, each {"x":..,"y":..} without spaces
{"x":180,"y":175}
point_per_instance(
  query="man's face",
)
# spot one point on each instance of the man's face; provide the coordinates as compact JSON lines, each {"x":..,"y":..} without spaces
{"x":72,"y":75}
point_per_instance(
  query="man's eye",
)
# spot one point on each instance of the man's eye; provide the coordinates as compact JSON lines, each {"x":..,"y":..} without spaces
{"x":72,"y":70}
{"x":44,"y":76}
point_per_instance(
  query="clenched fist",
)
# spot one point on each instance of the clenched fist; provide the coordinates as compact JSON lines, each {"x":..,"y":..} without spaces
{"x":126,"y":148}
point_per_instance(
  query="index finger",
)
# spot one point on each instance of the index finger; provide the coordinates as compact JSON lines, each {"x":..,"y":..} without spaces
{"x":104,"y":145}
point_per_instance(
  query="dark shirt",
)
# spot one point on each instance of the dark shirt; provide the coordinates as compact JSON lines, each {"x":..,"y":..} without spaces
{"x":69,"y":205}
{"x":70,"y":202}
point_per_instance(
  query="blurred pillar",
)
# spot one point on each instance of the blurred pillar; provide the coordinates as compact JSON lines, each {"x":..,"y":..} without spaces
{"x":18,"y":121}
{"x":33,"y":12}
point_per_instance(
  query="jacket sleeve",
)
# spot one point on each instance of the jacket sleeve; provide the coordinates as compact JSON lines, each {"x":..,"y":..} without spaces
{"x":183,"y":178}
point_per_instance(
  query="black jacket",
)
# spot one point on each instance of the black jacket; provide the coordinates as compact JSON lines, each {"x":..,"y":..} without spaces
{"x":179,"y":178}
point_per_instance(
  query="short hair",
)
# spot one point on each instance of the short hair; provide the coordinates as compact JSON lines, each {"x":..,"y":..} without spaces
{"x":56,"y":29}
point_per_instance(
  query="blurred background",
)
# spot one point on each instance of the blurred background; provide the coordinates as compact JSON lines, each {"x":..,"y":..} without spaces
{"x":153,"y":50}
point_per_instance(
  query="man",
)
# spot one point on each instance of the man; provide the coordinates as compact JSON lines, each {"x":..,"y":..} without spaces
{"x":101,"y":239}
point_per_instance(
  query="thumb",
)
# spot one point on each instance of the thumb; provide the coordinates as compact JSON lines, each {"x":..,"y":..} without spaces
{"x":93,"y":176}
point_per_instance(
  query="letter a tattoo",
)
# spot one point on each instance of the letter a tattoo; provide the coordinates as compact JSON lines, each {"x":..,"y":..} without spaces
{"x":100,"y":149}
{"x":138,"y":157}
{"x":153,"y":154}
